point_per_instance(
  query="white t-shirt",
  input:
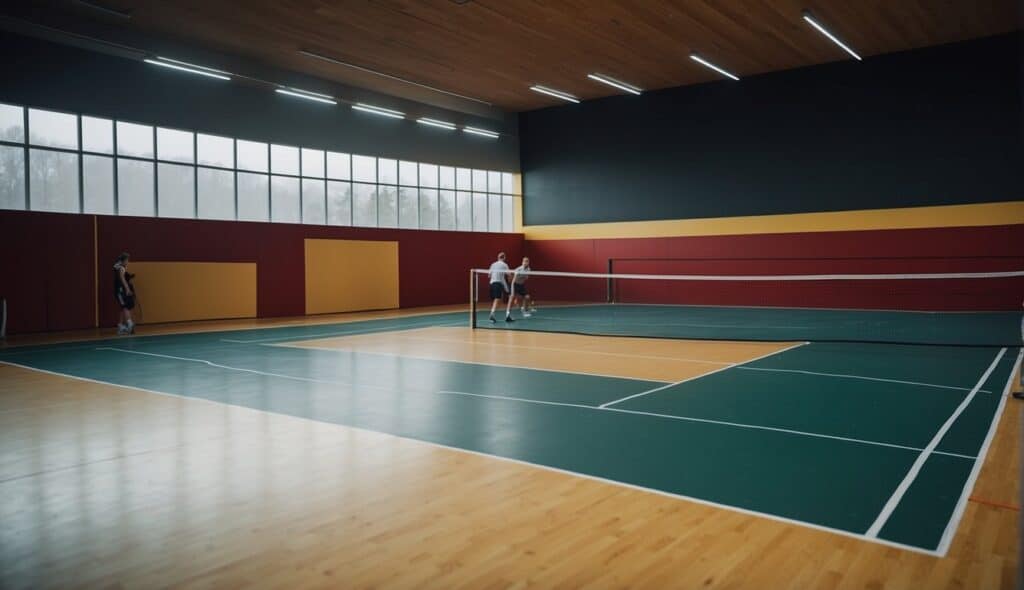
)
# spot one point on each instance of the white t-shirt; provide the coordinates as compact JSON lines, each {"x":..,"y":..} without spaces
{"x":522,"y":273}
{"x":498,"y":271}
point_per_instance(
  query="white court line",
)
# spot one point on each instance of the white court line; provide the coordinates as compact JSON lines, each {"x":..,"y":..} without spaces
{"x":573,"y":350}
{"x":915,"y":468}
{"x":670,"y":325}
{"x":302,"y":337}
{"x":695,"y":500}
{"x":961,"y":505}
{"x":704,"y":421}
{"x":860,"y":377}
{"x":719,"y":370}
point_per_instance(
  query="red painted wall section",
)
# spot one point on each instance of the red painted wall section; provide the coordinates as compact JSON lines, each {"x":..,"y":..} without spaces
{"x":46,"y":271}
{"x":965,"y":249}
{"x":47,"y":265}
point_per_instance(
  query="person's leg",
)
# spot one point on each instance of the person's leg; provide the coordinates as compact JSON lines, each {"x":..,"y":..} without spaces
{"x":494,"y":306}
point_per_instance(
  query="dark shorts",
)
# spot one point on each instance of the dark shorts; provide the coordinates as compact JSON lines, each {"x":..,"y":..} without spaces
{"x":520,"y":289}
{"x":125,"y":301}
{"x":497,"y":291}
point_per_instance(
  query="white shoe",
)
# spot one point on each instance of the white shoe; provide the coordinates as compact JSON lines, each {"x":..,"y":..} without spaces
{"x":526,"y":314}
{"x":121,"y":330}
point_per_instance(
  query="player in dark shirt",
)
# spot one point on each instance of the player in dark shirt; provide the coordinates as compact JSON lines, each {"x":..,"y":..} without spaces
{"x":125,"y":294}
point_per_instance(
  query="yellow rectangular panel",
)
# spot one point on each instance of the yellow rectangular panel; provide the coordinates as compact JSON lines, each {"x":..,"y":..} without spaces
{"x":351,"y":275}
{"x":182,"y":291}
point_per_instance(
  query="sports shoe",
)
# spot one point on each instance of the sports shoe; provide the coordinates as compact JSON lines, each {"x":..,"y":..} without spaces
{"x":527,"y":314}
{"x":492,"y":319}
{"x":509,"y":319}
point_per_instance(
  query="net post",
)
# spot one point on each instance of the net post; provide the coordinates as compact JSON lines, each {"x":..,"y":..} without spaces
{"x":472,"y":299}
{"x":610,"y":287}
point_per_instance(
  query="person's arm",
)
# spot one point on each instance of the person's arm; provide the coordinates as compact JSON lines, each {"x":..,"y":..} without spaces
{"x":127,"y":288}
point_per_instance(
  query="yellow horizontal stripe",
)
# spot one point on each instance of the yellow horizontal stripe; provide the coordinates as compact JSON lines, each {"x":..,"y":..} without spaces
{"x":1011,"y":212}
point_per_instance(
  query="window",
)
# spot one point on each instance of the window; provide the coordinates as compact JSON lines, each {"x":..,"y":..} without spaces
{"x":387,"y":206}
{"x":507,"y":183}
{"x":480,"y":181}
{"x":12,"y":177}
{"x":339,"y":166}
{"x":98,"y":184}
{"x":253,"y":197}
{"x":53,"y":181}
{"x":364,"y":205}
{"x":52,"y":129}
{"x":408,"y":208}
{"x":507,"y":213}
{"x":175,"y":189}
{"x":494,"y":182}
{"x":175,"y":146}
{"x":494,"y":213}
{"x":135,"y":188}
{"x":463,"y":179}
{"x":12,"y":123}
{"x":446,"y":210}
{"x":339,"y":203}
{"x":313,"y":200}
{"x":214,"y":150}
{"x":428,"y":208}
{"x":252,"y":156}
{"x":97,"y":135}
{"x":285,"y":204}
{"x":387,"y":171}
{"x":407,"y":173}
{"x":215,"y":192}
{"x":446,"y":177}
{"x":464,"y":211}
{"x":364,"y":169}
{"x":284,"y":159}
{"x":135,"y":140}
{"x":480,"y":212}
{"x":312,"y":163}
{"x":428,"y":175}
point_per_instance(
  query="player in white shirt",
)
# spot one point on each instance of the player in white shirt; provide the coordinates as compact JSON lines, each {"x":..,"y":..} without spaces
{"x":498,"y":274}
{"x":519,"y":277}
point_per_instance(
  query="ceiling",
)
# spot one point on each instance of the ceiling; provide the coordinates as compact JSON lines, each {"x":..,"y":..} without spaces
{"x":494,"y":50}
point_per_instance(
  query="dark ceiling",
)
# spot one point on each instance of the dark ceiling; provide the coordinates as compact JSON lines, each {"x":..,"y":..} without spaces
{"x":494,"y":50}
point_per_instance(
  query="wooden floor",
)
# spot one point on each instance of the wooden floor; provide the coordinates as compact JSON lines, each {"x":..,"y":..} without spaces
{"x":107,"y":486}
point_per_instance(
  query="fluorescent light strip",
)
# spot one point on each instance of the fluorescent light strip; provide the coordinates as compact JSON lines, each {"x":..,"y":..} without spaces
{"x":191,"y":70}
{"x":436,"y":123}
{"x":615,"y":83}
{"x":481,"y":132}
{"x":307,"y":96}
{"x":368,"y":108}
{"x":708,"y":64}
{"x":814,"y":23}
{"x":389,"y":76}
{"x":555,"y":93}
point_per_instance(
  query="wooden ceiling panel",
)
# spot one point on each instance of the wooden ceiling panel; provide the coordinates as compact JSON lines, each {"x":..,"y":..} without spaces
{"x":494,"y":50}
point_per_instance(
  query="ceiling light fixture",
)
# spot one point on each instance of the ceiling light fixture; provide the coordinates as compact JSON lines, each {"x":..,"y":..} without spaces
{"x":436,"y":123}
{"x":369,"y":108}
{"x":306,"y":94}
{"x":481,"y":132}
{"x":187,"y":67}
{"x":615,"y":83}
{"x":810,"y":20}
{"x":555,"y":93}
{"x":708,"y":64}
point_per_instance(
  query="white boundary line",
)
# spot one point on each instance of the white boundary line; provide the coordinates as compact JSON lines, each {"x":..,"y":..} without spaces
{"x":336,"y":334}
{"x":961,"y":505}
{"x":818,"y":277}
{"x":841,"y":375}
{"x":737,"y":509}
{"x":719,"y":370}
{"x":915,"y":468}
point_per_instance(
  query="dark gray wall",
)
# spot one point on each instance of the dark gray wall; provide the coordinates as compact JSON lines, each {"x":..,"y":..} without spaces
{"x":934,"y":126}
{"x":50,"y":75}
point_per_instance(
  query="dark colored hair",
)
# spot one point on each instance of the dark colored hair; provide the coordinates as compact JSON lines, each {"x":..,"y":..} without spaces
{"x":124,"y":256}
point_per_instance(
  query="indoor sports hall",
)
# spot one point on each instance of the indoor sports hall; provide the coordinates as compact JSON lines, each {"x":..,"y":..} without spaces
{"x":511,"y":294}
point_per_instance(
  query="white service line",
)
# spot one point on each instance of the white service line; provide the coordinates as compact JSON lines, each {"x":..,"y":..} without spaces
{"x":961,"y":505}
{"x":915,"y":468}
{"x":844,"y":376}
{"x":719,"y":370}
{"x":303,"y":337}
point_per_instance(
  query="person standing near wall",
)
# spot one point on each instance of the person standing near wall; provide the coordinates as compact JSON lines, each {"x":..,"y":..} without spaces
{"x":125,"y":294}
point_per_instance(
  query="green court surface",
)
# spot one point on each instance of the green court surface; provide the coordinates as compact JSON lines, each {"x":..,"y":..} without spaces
{"x":876,"y":441}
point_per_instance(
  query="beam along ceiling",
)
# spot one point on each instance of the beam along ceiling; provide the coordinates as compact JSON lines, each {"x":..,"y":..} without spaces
{"x":494,"y":50}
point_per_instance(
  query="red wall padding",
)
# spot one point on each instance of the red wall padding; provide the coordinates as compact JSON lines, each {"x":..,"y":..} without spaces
{"x":47,"y":261}
{"x":963,"y":249}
